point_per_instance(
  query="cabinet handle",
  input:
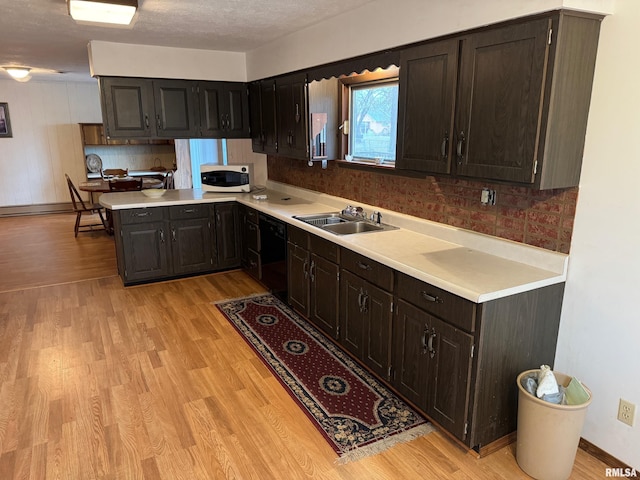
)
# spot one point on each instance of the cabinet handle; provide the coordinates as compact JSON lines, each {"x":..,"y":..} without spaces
{"x":432,"y":351}
{"x":430,"y":298}
{"x":173,"y":234}
{"x":304,"y":269}
{"x":218,"y":218}
{"x":158,"y":123}
{"x":423,"y":340}
{"x":365,"y":298}
{"x":140,"y":214}
{"x":188,"y":210}
{"x":161,"y":236}
{"x":146,"y":120}
{"x":360,"y":295}
{"x":460,"y":148}
{"x":311,"y":274}
{"x":297,"y":113}
{"x":228,"y":122}
{"x":364,"y":266}
{"x":445,"y":144}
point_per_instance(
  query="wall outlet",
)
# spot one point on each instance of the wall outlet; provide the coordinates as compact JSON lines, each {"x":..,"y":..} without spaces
{"x":626,"y":412}
{"x":488,"y":197}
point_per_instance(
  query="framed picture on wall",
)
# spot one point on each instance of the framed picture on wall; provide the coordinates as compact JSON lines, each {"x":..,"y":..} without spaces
{"x":5,"y":124}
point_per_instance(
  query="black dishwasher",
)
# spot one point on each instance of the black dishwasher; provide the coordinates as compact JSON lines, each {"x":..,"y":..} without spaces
{"x":273,"y":254}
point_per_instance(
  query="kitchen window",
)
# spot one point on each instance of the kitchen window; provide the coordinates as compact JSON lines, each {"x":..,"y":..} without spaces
{"x":370,"y":102}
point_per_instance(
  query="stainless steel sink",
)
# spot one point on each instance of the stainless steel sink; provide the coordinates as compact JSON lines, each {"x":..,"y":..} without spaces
{"x":340,"y":224}
{"x":322,"y":219}
{"x":348,"y":228}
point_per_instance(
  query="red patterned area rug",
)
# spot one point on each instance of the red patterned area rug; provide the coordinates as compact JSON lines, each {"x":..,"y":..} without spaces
{"x":357,"y":415}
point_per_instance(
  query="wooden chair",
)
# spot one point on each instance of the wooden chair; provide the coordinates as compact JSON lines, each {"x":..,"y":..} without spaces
{"x":80,"y":207}
{"x":168,"y":180}
{"x":114,"y":172}
{"x":125,"y":184}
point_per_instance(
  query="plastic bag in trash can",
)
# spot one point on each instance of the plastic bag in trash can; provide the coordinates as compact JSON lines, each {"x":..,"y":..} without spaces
{"x":547,"y":383}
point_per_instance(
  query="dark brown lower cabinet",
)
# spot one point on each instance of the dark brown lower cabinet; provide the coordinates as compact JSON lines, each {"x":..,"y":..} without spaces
{"x":432,"y":362}
{"x":313,"y":279}
{"x":191,"y":246}
{"x":250,"y":242}
{"x":163,"y":242}
{"x":365,"y":322}
{"x":156,"y":243}
{"x":144,"y":252}
{"x":226,"y":221}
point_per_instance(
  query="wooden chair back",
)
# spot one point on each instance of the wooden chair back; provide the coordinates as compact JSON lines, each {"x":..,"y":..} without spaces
{"x":168,"y":180}
{"x":125,"y":184}
{"x":76,"y":199}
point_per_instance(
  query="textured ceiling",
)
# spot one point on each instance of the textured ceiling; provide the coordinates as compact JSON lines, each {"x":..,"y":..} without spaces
{"x":40,"y":34}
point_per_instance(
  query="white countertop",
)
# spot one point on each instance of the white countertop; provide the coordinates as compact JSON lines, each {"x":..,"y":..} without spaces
{"x":474,"y":266}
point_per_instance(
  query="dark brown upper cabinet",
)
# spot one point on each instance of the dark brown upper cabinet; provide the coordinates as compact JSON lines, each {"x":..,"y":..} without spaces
{"x":127,"y":107}
{"x":176,"y":108}
{"x":224,"y":109}
{"x":262,"y":99}
{"x":426,"y":106}
{"x":291,"y":113}
{"x":521,"y":104}
{"x":155,"y":108}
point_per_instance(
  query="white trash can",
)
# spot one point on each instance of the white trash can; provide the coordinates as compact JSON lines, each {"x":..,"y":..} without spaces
{"x":548,"y":433}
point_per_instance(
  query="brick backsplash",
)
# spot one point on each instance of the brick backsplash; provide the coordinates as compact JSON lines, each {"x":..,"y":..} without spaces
{"x":540,"y":218}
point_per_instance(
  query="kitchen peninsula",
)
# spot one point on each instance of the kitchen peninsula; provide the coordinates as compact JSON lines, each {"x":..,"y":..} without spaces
{"x":468,"y":311}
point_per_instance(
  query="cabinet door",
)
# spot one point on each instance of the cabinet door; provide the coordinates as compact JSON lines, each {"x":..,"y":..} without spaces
{"x":291,"y":93}
{"x":268,"y":109}
{"x":127,"y":107}
{"x":175,"y":104}
{"x":298,"y":278}
{"x":227,"y":228}
{"x":191,"y":246}
{"x":237,"y":110}
{"x":352,"y":319}
{"x":376,"y":305}
{"x":255,"y":116}
{"x":502,"y":77}
{"x":145,"y":251}
{"x":325,"y":289}
{"x":426,"y":106}
{"x":410,"y":353}
{"x":450,"y":359}
{"x":224,"y":109}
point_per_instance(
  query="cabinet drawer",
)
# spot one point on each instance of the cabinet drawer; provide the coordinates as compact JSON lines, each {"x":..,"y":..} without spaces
{"x":298,"y":237}
{"x":142,"y":215}
{"x":251,"y":214}
{"x":455,"y":310}
{"x":364,"y":267}
{"x":324,"y":248}
{"x":184,"y":212}
{"x":252,"y":236}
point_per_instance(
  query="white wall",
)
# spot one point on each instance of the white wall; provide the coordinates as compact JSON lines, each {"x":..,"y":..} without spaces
{"x":390,"y":23}
{"x":600,"y":327}
{"x":125,"y":60}
{"x":46,"y":141}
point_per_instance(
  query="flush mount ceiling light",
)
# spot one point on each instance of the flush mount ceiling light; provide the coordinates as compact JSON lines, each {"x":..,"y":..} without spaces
{"x":20,"y":74}
{"x":118,"y":12}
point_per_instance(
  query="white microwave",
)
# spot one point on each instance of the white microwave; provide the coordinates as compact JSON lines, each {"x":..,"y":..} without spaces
{"x":226,"y":178}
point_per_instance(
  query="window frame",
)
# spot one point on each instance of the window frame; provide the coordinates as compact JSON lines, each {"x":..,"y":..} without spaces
{"x":391,"y":74}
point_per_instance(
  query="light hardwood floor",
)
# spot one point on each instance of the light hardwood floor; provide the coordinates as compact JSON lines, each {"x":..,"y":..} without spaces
{"x":151,"y":382}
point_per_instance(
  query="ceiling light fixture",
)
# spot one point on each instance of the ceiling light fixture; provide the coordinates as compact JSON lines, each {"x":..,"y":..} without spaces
{"x":119,"y":12}
{"x":20,"y":74}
